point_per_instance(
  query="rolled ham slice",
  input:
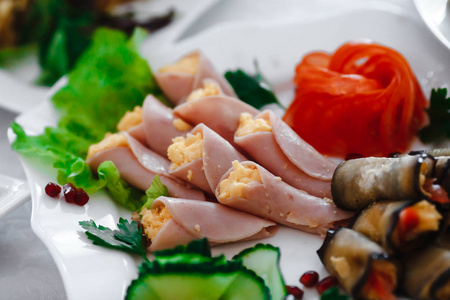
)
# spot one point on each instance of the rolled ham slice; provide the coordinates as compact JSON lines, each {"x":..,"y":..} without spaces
{"x":179,"y":80}
{"x":220,"y":113}
{"x":138,"y":166}
{"x":281,"y":151}
{"x":190,"y":220}
{"x":206,"y":171}
{"x":158,"y":124}
{"x":261,"y":193}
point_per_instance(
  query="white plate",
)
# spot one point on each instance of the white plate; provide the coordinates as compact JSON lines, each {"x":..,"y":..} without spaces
{"x":91,"y":272}
{"x":436,"y":14}
{"x":13,"y":193}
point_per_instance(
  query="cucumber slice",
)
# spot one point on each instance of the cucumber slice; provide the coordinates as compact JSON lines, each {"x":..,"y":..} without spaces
{"x":197,"y":281}
{"x":180,"y":286}
{"x":246,"y":286}
{"x":264,"y":259}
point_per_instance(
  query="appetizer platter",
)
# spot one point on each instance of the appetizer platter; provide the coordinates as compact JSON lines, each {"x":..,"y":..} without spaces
{"x":89,"y":271}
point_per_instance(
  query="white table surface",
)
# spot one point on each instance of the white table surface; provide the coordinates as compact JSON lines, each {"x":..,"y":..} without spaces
{"x":27,"y":271}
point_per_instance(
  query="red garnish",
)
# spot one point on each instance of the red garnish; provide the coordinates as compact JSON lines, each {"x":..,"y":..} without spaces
{"x":70,"y":193}
{"x":309,"y":279}
{"x":364,"y":98}
{"x":82,"y":197}
{"x":381,"y":284}
{"x":295,"y":291}
{"x":52,"y":189}
{"x":408,"y":219}
{"x":438,"y":194}
{"x":326,"y":283}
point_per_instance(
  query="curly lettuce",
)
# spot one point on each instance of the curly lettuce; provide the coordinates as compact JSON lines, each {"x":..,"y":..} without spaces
{"x":108,"y":79}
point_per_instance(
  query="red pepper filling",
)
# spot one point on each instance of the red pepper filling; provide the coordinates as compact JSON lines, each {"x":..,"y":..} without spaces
{"x":408,"y":220}
{"x":381,"y":282}
{"x":438,"y":194}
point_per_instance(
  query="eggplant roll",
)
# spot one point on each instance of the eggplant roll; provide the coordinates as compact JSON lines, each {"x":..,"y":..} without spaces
{"x":359,"y":264}
{"x":427,"y":274}
{"x":359,"y":182}
{"x":443,"y":239}
{"x":398,"y":226}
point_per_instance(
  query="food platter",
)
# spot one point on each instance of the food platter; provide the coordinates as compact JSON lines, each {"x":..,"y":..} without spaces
{"x":96,"y":273}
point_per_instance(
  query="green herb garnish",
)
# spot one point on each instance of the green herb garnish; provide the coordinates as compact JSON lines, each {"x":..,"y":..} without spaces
{"x":333,"y":294}
{"x":254,"y":90}
{"x":128,"y":236}
{"x":439,"y":116}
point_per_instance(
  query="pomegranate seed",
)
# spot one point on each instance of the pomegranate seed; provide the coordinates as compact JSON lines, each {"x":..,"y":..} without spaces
{"x":70,"y":193}
{"x":295,"y":291}
{"x":310,"y":278}
{"x":353,"y":156}
{"x":82,"y":197}
{"x":326,"y":283}
{"x":52,"y":189}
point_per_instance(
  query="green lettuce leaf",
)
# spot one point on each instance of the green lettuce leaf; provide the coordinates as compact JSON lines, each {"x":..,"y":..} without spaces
{"x":122,"y":193}
{"x":154,"y":191}
{"x":109,"y":79}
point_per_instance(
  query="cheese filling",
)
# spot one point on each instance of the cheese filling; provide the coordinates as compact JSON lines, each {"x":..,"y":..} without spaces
{"x":238,"y":179}
{"x":184,"y":150}
{"x":249,"y":125}
{"x":181,"y":125}
{"x":130,"y":119}
{"x":188,"y":64}
{"x":428,"y":220}
{"x":209,"y":89}
{"x":153,"y":220}
{"x":109,"y":141}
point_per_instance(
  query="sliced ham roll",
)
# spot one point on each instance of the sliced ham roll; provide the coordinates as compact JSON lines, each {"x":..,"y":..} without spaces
{"x":154,"y":125}
{"x":160,"y":125}
{"x":138,"y":165}
{"x":177,"y":81}
{"x":275,"y":146}
{"x":131,"y":122}
{"x":220,"y":113}
{"x":202,"y":158}
{"x":249,"y":187}
{"x":174,"y":221}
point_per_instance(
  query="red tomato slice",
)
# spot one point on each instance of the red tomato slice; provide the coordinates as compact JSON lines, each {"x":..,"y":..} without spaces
{"x":362,"y":99}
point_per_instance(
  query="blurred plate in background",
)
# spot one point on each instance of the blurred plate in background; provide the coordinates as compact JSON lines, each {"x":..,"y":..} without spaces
{"x":436,"y":13}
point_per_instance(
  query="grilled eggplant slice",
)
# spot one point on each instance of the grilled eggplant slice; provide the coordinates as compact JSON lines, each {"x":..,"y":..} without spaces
{"x":398,"y":226}
{"x":427,"y":274}
{"x":362,"y":267}
{"x":359,"y":182}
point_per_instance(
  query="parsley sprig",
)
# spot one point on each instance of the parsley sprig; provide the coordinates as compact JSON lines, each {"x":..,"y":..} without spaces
{"x":252,"y":89}
{"x":439,"y":116}
{"x":127,"y":237}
